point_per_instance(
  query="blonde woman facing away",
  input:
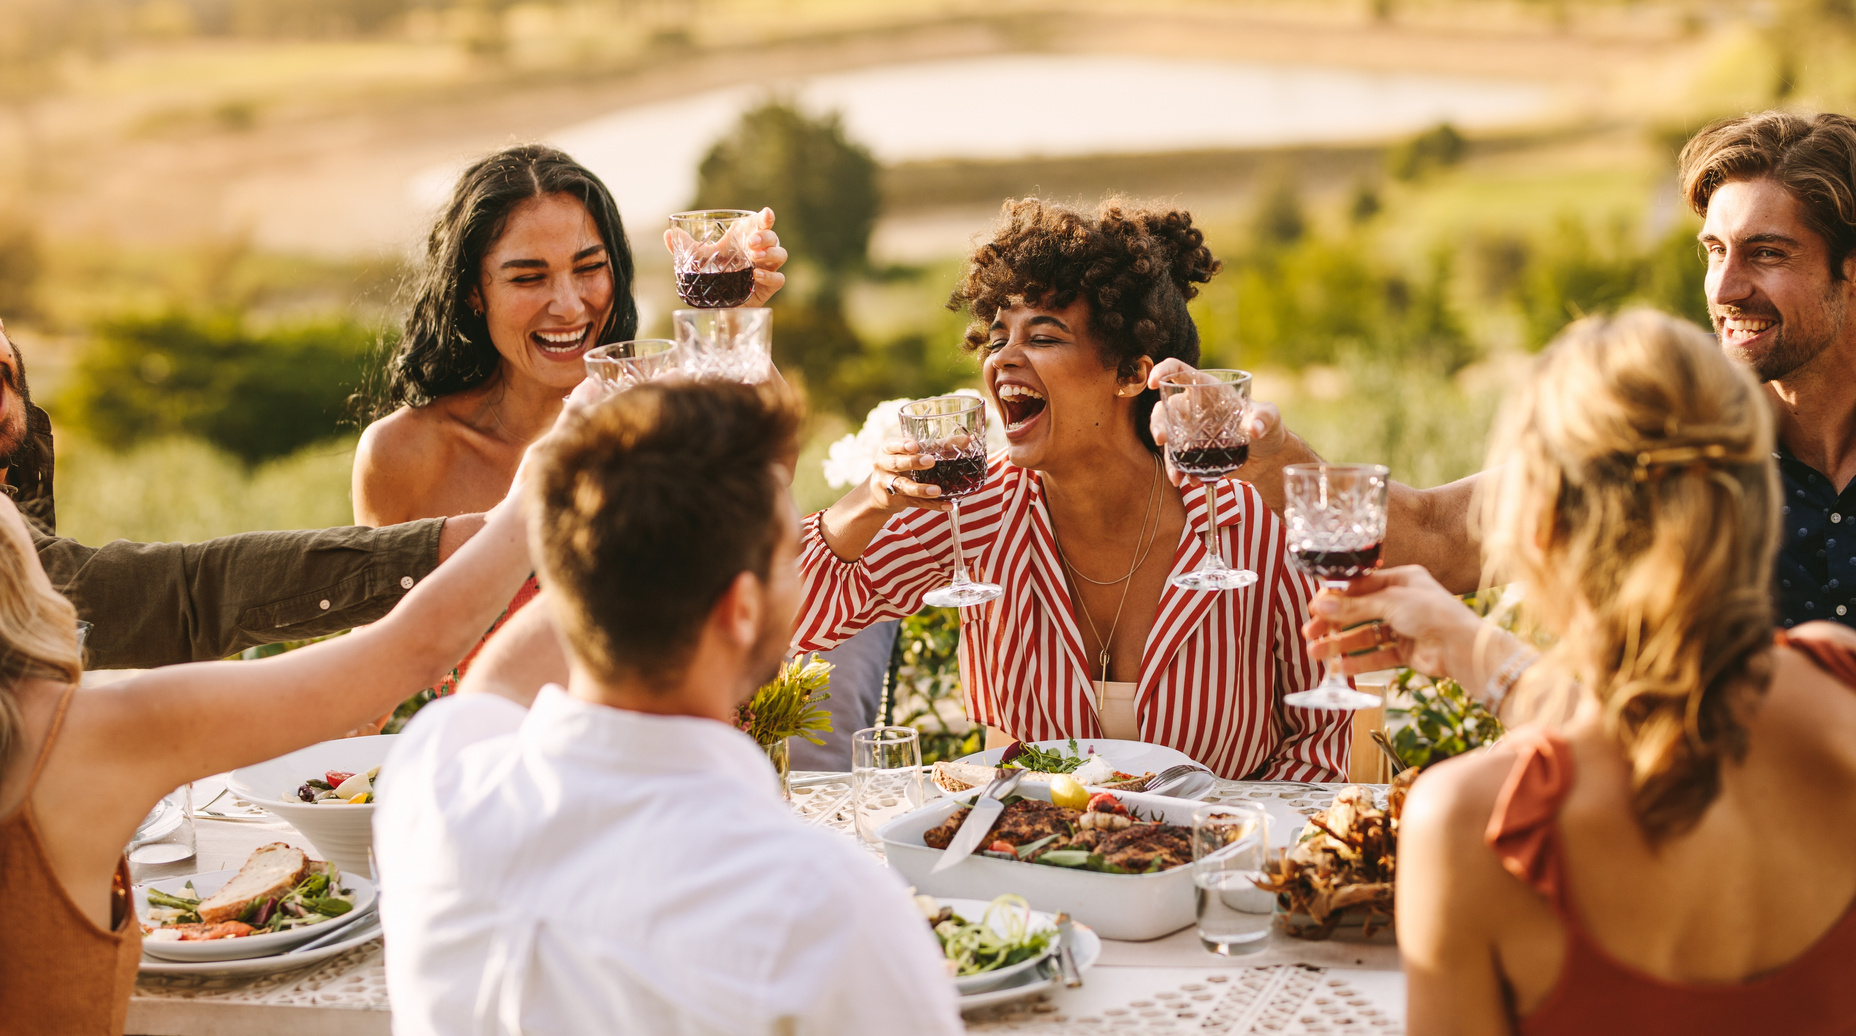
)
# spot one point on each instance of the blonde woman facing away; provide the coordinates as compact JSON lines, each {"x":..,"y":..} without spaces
{"x":1675,"y":850}
{"x":79,"y":769}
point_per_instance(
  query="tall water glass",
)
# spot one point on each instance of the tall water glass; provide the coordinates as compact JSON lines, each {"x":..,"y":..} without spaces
{"x":621,"y":365}
{"x":736,"y":344}
{"x":886,"y":776}
{"x":1205,"y":438}
{"x":952,"y":431}
{"x":1230,"y":844}
{"x":709,"y":251}
{"x":166,"y":834}
{"x":1336,"y":515}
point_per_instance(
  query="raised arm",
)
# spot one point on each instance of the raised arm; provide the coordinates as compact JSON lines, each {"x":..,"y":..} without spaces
{"x":1428,"y":527}
{"x":523,"y":656}
{"x":182,"y":722}
{"x":155,"y":604}
{"x":849,"y":525}
{"x":1431,"y":527}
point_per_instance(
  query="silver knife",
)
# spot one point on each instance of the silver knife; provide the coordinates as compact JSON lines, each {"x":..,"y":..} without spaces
{"x":1066,"y":961}
{"x":979,"y":820}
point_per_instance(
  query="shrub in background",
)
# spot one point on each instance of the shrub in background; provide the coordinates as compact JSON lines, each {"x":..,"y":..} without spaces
{"x":255,"y":395}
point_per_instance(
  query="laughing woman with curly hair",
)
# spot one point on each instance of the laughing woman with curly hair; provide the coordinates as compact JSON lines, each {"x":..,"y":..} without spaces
{"x":1079,"y":523}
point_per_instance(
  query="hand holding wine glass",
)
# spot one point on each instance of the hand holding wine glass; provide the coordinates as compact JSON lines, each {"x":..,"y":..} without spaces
{"x":1404,"y":617}
{"x":1205,"y":413}
{"x":1262,"y":427}
{"x":1336,"y":515}
{"x":951,"y":430}
{"x":725,"y":257}
{"x":895,"y":479}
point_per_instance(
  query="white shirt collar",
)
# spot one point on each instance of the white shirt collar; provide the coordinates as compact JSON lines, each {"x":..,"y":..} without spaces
{"x":622,"y":742}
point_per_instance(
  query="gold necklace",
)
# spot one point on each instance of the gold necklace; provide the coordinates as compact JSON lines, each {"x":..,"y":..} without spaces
{"x":1142,"y":546}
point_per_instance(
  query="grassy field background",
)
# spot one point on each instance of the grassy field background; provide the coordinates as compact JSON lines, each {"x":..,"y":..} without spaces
{"x":156,"y":162}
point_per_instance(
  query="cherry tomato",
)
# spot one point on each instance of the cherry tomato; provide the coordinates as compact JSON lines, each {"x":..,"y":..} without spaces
{"x":1002,"y":847}
{"x":1105,"y":802}
{"x":336,"y":777}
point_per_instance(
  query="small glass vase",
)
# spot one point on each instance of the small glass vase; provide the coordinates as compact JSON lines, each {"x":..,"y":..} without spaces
{"x":782,"y":760}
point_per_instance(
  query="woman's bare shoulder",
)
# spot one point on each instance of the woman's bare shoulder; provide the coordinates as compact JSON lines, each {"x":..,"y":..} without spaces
{"x":1458,"y":795}
{"x":398,"y":461}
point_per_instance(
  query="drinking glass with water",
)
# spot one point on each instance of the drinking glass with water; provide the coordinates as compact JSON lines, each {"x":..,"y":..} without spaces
{"x":1230,"y":844}
{"x":886,"y":777}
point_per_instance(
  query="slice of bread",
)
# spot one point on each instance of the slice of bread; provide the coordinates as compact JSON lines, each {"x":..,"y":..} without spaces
{"x":272,"y":870}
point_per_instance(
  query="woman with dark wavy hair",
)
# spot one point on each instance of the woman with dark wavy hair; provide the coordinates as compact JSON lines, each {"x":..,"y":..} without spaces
{"x":526,"y":269}
{"x":1079,"y":522}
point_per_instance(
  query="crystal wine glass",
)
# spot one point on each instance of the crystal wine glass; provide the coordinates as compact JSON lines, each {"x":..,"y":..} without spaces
{"x":709,"y":251}
{"x":1205,"y":438}
{"x":621,"y":365}
{"x":952,"y":431}
{"x":1337,"y":529}
{"x":726,"y":343}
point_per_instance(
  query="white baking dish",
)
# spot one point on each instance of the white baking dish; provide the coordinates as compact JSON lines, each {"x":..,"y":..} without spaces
{"x":1117,"y":906}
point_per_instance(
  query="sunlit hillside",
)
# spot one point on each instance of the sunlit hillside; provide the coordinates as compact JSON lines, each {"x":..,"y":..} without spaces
{"x":254,"y":177}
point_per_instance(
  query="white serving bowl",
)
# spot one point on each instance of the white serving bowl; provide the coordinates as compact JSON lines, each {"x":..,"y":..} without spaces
{"x":247,"y":947}
{"x":1117,"y":906}
{"x":341,"y":833}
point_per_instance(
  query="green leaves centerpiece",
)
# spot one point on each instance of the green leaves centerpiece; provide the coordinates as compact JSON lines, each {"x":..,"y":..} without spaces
{"x":788,"y":705}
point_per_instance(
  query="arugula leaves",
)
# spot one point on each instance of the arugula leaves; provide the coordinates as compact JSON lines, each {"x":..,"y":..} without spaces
{"x":1048,"y":760}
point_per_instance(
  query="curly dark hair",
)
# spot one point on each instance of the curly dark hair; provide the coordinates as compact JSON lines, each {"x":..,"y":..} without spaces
{"x":446,"y":348}
{"x":1136,"y":265}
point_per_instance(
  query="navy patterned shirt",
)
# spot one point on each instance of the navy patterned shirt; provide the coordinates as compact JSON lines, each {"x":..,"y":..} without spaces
{"x":1815,"y":576}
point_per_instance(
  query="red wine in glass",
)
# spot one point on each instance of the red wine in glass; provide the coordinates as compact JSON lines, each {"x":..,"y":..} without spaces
{"x":957,"y":476}
{"x":724,"y":290}
{"x":1339,"y":565}
{"x":1211,"y":461}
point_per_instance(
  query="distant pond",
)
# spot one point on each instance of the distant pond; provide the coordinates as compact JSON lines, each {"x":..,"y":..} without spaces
{"x":1015,"y":106}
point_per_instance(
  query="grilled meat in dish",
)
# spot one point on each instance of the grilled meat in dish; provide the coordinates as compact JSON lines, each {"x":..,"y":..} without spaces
{"x":1138,"y":847}
{"x":1142,"y":846}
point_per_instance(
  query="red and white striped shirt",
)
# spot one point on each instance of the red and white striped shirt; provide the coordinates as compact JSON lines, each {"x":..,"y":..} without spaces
{"x":1213,"y":673}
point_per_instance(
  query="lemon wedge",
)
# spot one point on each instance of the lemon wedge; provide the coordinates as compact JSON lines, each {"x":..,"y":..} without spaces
{"x":1066,"y":792}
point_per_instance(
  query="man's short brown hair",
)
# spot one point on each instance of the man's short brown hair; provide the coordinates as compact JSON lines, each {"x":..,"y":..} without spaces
{"x":648,"y":507}
{"x":1811,"y":156}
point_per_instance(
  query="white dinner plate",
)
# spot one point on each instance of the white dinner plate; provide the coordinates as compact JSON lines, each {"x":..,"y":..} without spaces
{"x":360,"y":934}
{"x":1135,"y":757}
{"x":1085,"y":947}
{"x":268,"y":944}
{"x":975,"y":910}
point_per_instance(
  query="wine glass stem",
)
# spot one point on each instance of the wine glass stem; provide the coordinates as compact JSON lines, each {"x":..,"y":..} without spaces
{"x":960,"y":560}
{"x":1333,"y":678}
{"x":1213,"y":559}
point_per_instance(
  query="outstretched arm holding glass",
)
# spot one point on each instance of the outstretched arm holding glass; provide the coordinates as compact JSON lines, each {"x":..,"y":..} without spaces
{"x":1428,"y":527}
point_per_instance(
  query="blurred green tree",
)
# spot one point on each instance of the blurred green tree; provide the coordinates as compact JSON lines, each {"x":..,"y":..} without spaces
{"x":1279,"y":220}
{"x":1435,"y":148}
{"x":823,"y":187}
{"x":1571,"y":275}
{"x":254,"y":395}
{"x":822,"y":184}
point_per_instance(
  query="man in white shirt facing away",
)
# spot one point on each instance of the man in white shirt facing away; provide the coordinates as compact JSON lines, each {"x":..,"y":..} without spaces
{"x":614,"y":856}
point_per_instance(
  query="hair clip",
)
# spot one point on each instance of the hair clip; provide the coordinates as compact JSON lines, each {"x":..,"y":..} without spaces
{"x":1658,"y":463}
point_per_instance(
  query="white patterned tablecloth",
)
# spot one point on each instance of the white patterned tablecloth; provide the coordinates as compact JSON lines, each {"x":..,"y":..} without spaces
{"x":1166,"y":985}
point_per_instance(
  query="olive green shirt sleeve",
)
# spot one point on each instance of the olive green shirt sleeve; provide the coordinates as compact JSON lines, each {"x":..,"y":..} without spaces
{"x":155,"y":604}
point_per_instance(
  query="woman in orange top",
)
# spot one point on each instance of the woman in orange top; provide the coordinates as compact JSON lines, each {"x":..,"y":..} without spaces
{"x":1673,"y":847}
{"x":80,"y":769}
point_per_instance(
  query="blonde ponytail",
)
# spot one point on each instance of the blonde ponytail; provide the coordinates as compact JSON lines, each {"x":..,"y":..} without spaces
{"x":1633,"y":486}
